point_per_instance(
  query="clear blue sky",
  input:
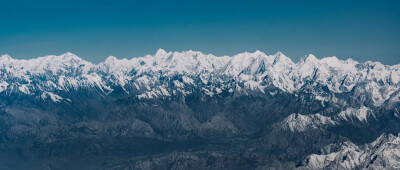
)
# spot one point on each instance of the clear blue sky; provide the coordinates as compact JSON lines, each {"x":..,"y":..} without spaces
{"x":362,"y":30}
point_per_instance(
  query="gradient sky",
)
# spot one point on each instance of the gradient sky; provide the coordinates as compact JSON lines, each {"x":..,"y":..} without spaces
{"x":362,"y":30}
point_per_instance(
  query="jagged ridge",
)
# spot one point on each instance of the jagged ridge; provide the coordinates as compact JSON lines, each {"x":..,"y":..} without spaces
{"x":254,"y":71}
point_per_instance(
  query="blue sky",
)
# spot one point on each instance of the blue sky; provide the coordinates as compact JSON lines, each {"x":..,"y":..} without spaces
{"x":362,"y":30}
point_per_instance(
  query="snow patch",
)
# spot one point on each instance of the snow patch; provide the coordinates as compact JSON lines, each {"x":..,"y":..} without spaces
{"x":24,"y":89}
{"x":55,"y":98}
{"x":3,"y":86}
{"x":360,"y":114}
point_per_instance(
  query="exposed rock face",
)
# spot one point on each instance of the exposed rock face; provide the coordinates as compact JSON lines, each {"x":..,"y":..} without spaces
{"x":191,"y":110}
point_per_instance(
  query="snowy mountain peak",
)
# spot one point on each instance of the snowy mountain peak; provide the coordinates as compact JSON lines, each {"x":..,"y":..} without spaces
{"x":349,"y":60}
{"x":279,"y":53}
{"x":160,"y":52}
{"x":63,"y":58}
{"x":62,"y":64}
{"x":332,"y":61}
{"x":258,"y":52}
{"x":68,"y":53}
{"x":5,"y":57}
{"x":309,"y":58}
{"x":189,"y":53}
{"x":68,"y":56}
{"x":111,"y":59}
{"x":279,"y":57}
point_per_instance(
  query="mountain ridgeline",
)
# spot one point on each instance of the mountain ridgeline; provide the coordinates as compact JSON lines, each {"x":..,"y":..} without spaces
{"x":189,"y":110}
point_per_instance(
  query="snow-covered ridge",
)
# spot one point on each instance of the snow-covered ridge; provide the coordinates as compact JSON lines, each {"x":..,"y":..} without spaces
{"x":61,"y":64}
{"x":300,"y":123}
{"x":238,"y":64}
{"x":255,"y":70}
{"x":383,"y":153}
{"x":361,"y":114}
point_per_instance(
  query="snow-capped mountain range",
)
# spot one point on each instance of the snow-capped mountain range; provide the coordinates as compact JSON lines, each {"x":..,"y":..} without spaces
{"x":253,"y":71}
{"x":247,"y":111}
